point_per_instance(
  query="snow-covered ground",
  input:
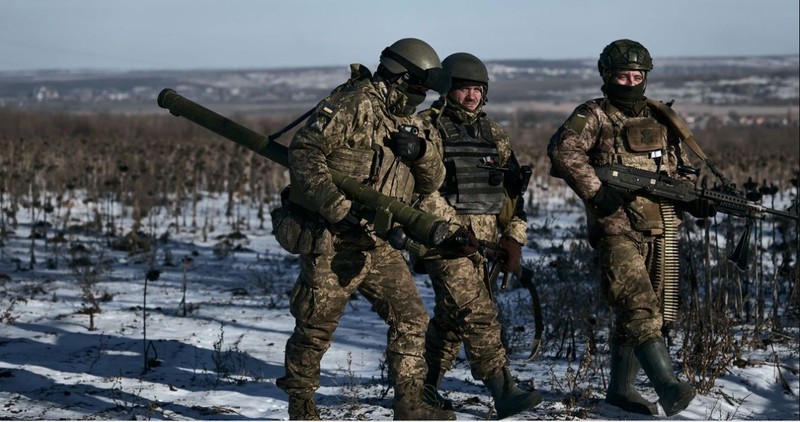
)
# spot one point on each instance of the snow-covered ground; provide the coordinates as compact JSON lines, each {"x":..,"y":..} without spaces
{"x":195,"y":328}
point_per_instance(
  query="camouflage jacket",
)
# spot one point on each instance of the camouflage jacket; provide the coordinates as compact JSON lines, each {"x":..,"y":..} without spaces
{"x":596,"y":134}
{"x":485,"y":225}
{"x":349,"y":132}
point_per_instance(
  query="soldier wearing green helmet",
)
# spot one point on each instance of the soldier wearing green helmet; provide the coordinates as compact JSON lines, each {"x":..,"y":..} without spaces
{"x":367,"y":129}
{"x":480,"y":194}
{"x":634,"y":236}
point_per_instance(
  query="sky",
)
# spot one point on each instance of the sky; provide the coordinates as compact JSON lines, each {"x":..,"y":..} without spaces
{"x":232,"y":34}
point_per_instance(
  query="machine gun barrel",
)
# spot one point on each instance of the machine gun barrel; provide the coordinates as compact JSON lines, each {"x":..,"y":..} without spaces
{"x":422,"y":227}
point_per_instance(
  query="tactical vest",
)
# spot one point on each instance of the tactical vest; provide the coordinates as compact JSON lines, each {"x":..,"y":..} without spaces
{"x":640,"y":142}
{"x":467,"y":187}
{"x":377,"y":167}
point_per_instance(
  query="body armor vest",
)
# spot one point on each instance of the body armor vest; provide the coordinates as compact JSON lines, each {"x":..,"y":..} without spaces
{"x":640,"y":142}
{"x":468,"y":188}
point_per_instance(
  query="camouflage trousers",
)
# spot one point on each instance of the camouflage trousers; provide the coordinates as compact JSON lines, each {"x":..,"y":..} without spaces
{"x":464,"y":313}
{"x":628,"y":289}
{"x":320,"y":297}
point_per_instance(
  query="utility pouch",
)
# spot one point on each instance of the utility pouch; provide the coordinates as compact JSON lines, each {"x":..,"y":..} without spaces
{"x":645,"y":216}
{"x":643,"y":134}
{"x":299,"y":231}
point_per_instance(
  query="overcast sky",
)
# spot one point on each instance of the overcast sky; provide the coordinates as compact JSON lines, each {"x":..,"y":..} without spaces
{"x":192,"y":34}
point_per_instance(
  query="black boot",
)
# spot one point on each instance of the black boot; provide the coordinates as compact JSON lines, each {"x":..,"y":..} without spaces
{"x":430,"y":392}
{"x":673,"y":395}
{"x":508,"y":398}
{"x":409,"y":404}
{"x":621,"y":391}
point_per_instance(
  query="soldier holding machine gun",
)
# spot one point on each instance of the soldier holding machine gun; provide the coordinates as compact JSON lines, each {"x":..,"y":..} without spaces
{"x":635,"y":235}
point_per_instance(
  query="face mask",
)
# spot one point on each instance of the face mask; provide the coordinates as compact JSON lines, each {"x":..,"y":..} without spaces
{"x":414,"y":98}
{"x":408,"y":100}
{"x":629,"y":99}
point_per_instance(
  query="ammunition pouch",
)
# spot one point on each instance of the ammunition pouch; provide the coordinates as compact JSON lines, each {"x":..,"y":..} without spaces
{"x":298,"y":230}
{"x":645,"y":216}
{"x":643,"y":134}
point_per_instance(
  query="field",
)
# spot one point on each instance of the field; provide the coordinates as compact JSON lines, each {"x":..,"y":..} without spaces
{"x":139,"y":280}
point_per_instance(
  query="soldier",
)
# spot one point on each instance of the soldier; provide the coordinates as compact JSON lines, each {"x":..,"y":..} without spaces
{"x":481,"y":183}
{"x":626,"y":230}
{"x":370,"y":131}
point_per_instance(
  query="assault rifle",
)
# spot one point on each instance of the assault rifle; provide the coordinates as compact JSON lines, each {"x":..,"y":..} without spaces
{"x":658,"y":185}
{"x":494,"y":253}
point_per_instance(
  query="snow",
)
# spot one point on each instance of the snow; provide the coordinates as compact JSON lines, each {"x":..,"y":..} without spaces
{"x":144,"y":359}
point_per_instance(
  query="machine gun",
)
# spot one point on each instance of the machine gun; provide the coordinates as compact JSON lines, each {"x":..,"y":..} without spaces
{"x":658,"y":185}
{"x":425,"y":228}
{"x":494,"y":253}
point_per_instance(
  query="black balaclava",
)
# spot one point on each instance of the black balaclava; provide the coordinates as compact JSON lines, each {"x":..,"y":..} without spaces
{"x":629,"y":99}
{"x":403,"y":99}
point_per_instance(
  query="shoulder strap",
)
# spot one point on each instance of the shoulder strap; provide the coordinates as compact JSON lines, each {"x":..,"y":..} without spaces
{"x":448,"y":128}
{"x":679,"y":125}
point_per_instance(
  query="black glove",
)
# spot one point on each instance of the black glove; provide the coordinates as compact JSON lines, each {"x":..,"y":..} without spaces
{"x":513,"y":251}
{"x":406,"y":145}
{"x":607,"y":200}
{"x":348,"y":223}
{"x":460,"y":244}
{"x":700,"y":208}
{"x":496,"y":177}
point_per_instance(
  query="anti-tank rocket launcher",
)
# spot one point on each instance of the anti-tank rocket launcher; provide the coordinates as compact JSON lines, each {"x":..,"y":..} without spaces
{"x":384,"y":211}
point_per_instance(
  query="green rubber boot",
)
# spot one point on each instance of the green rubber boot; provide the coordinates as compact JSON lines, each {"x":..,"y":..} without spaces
{"x":621,"y":390}
{"x":673,"y":395}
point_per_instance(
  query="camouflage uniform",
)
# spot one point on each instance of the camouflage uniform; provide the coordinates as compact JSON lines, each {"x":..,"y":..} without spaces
{"x":348,"y":133}
{"x":465,"y":311}
{"x":635,"y":237}
{"x":596,"y":134}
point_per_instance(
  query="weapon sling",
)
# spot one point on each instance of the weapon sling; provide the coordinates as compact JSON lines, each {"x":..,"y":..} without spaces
{"x":677,"y":123}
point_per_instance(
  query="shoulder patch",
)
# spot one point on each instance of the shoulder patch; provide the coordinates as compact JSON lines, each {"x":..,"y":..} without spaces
{"x":578,"y":122}
{"x":322,"y":117}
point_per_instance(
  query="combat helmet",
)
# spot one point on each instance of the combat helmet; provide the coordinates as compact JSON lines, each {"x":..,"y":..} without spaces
{"x":465,"y":69}
{"x":418,"y":59}
{"x":624,"y":54}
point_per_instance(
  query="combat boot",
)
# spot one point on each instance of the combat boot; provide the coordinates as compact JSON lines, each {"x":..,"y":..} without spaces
{"x":430,"y":391}
{"x":409,"y":404}
{"x":303,"y":409}
{"x":621,"y":391}
{"x":508,"y":398}
{"x":673,"y":395}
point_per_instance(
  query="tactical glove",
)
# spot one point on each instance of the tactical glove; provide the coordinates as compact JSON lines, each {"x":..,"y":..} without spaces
{"x":460,"y":244}
{"x":700,"y":208}
{"x":607,"y":200}
{"x":406,"y":145}
{"x":496,"y":177}
{"x":346,"y":224}
{"x":513,"y":251}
